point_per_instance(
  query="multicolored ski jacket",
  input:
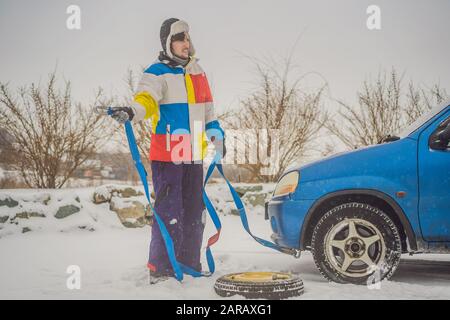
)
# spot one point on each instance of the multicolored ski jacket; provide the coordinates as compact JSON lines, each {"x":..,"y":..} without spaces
{"x":179,"y":103}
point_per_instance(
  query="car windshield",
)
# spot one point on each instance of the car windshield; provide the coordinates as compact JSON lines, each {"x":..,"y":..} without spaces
{"x":421,"y":120}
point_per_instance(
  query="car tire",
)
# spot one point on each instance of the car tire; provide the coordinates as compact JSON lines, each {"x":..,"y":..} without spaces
{"x":260,"y":285}
{"x":356,"y":243}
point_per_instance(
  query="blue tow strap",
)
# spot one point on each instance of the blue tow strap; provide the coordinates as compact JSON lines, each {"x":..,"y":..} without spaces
{"x":240,"y":206}
{"x":179,"y":268}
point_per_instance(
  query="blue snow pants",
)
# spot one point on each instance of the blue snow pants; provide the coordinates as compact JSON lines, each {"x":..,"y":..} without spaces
{"x":179,"y":203}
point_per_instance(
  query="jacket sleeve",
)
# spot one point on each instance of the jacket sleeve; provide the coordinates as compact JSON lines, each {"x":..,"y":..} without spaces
{"x":149,"y":93}
{"x":212,"y":124}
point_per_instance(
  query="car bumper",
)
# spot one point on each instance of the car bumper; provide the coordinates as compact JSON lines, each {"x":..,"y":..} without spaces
{"x":286,"y":218}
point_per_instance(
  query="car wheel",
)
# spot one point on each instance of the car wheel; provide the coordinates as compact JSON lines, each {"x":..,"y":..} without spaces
{"x":356,"y":243}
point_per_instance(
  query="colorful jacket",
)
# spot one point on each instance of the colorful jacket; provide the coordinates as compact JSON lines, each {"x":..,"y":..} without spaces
{"x":179,"y":103}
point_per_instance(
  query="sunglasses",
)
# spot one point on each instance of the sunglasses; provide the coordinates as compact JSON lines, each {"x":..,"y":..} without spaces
{"x":180,"y":37}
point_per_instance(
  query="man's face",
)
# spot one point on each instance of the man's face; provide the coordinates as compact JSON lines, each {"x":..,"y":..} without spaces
{"x":180,"y":45}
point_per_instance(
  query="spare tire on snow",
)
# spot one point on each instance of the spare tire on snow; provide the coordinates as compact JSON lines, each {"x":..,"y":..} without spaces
{"x":260,"y":285}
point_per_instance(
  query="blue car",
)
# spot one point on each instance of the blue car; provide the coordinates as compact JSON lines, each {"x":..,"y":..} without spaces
{"x":358,"y":211}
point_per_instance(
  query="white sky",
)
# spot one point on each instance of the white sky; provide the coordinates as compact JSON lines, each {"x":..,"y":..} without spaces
{"x":116,"y":35}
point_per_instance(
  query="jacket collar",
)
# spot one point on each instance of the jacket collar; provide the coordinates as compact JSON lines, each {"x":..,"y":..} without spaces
{"x":173,"y":64}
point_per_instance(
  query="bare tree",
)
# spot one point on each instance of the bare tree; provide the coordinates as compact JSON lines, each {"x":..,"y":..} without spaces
{"x":383,"y":109}
{"x":421,"y":100}
{"x":279,"y":103}
{"x":52,"y":136}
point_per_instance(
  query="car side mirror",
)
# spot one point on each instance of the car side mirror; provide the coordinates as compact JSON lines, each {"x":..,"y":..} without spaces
{"x":440,"y":139}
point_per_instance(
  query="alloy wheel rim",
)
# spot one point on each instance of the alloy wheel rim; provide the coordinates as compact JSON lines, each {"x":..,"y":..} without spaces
{"x":355,"y":247}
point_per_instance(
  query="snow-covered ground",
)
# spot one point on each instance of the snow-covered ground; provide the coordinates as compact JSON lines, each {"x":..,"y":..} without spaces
{"x":112,"y":262}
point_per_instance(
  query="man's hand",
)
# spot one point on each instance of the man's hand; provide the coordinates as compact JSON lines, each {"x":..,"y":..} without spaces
{"x":122,"y":114}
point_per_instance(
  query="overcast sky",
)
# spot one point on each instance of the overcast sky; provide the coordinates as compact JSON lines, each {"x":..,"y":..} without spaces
{"x":116,"y":35}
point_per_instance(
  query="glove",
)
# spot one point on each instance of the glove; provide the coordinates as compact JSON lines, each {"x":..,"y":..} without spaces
{"x":122,"y":114}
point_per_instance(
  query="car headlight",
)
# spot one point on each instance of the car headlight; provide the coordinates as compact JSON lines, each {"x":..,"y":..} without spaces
{"x":287,"y":184}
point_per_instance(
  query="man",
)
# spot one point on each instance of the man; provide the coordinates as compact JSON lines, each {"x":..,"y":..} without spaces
{"x":174,"y":94}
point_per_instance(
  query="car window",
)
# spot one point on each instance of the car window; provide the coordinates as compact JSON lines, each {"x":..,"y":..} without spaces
{"x":436,"y":138}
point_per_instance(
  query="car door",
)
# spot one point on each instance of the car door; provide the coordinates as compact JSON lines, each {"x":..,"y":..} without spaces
{"x":434,"y":180}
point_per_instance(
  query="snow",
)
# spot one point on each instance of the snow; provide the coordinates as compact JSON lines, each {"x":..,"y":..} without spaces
{"x":103,"y":191}
{"x":112,"y":258}
{"x":120,"y":203}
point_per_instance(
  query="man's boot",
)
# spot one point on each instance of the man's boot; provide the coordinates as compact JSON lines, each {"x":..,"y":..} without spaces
{"x":156,"y":277}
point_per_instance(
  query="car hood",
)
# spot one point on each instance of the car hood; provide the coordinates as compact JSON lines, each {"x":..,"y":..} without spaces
{"x":363,"y":161}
